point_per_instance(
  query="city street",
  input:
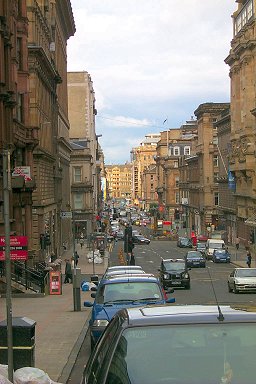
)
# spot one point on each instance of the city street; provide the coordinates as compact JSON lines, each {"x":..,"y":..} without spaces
{"x":203,"y":280}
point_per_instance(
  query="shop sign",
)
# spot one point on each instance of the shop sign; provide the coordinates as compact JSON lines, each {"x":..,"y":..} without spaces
{"x":18,"y":248}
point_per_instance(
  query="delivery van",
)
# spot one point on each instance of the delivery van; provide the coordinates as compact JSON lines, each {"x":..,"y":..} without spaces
{"x":213,"y":244}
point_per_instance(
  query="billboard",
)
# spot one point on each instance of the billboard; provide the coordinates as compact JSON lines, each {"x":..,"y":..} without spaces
{"x":18,"y":248}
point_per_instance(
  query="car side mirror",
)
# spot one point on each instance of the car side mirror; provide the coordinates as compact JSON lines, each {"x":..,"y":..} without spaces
{"x":88,"y":304}
{"x":94,"y":288}
{"x":93,"y":295}
{"x":159,"y":270}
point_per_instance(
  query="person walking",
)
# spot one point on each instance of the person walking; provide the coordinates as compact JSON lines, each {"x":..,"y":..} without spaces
{"x":68,"y":272}
{"x":249,"y":259}
{"x":76,"y":257}
{"x":237,"y":242}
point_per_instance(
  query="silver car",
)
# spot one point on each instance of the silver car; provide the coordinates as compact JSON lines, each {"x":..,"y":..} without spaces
{"x":242,"y":279}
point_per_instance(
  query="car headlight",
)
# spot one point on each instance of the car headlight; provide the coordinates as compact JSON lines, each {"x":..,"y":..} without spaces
{"x":100,"y":323}
{"x":186,"y":276}
{"x":166,"y":276}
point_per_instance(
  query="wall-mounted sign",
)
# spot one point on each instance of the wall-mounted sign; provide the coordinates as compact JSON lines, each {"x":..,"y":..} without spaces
{"x":18,"y":247}
{"x":22,"y":171}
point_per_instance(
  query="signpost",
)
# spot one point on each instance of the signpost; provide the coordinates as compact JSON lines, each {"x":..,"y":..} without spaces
{"x":55,"y":283}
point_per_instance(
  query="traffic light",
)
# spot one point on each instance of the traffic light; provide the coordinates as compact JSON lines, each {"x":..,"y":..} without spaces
{"x":128,"y":242}
{"x":252,"y":237}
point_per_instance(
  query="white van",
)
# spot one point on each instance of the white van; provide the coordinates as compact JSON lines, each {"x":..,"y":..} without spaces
{"x":212,"y":244}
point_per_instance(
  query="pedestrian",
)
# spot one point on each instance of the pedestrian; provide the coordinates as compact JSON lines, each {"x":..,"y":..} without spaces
{"x":81,"y":242}
{"x":249,"y":259}
{"x":237,"y":242}
{"x":76,"y":257}
{"x":53,"y":257}
{"x":68,"y":272}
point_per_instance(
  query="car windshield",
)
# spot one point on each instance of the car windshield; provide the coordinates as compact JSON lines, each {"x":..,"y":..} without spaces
{"x":174,"y":266}
{"x":184,"y":241}
{"x":191,"y":255}
{"x":128,"y":292}
{"x":212,"y":354}
{"x":216,"y":245}
{"x":201,"y":245}
{"x":246,"y":272}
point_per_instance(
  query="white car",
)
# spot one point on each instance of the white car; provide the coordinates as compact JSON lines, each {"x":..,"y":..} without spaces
{"x":242,"y":279}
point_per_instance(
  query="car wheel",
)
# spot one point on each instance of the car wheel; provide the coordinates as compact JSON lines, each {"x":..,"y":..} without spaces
{"x":235,"y":289}
{"x":229,"y":289}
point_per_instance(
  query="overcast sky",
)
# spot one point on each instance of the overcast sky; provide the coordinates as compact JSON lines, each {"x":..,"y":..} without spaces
{"x":150,"y":60}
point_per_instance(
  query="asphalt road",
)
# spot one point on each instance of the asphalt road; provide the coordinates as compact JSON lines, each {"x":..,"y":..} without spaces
{"x":208,"y":285}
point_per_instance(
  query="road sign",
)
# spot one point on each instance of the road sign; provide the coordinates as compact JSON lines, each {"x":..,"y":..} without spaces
{"x":66,"y":215}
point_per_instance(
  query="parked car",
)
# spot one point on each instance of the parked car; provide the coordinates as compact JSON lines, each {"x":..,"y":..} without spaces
{"x":140,"y":239}
{"x":201,"y":247}
{"x":117,"y":292}
{"x":184,"y":242}
{"x":242,"y":279}
{"x":221,"y":256}
{"x":150,"y":345}
{"x":195,"y":259}
{"x":174,"y":273}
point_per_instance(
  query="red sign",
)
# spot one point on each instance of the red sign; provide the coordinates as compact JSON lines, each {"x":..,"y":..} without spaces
{"x":55,"y":283}
{"x":18,"y":247}
{"x":167,"y":223}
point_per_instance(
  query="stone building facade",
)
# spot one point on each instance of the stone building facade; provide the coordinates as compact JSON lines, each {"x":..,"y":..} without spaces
{"x":119,"y":180}
{"x":241,"y":60}
{"x":82,"y":112}
{"x":50,"y":26}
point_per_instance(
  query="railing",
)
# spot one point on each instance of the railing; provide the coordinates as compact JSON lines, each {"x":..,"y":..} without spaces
{"x":29,"y":278}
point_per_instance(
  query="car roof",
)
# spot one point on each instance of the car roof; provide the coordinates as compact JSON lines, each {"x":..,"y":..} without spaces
{"x":187,"y":314}
{"x":124,"y":272}
{"x":146,"y":277}
{"x":173,"y":260}
{"x":115,"y":267}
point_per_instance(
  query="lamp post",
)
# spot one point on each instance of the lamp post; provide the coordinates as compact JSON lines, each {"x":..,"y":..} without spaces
{"x":7,"y":188}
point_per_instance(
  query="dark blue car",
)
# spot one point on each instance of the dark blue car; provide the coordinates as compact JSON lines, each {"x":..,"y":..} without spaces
{"x":115,"y":293}
{"x":221,"y":256}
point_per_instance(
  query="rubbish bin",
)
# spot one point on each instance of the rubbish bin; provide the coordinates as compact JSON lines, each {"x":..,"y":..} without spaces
{"x":23,"y":331}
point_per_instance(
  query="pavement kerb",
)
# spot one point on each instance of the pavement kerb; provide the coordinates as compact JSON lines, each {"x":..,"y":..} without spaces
{"x":65,"y":374}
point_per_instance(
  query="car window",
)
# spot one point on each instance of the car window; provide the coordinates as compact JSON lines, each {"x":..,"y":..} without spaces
{"x":128,"y":291}
{"x":95,"y":368}
{"x":246,"y":272}
{"x":211,"y":353}
{"x":174,"y":266}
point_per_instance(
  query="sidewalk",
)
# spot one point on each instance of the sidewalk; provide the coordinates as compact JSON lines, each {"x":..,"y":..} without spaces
{"x":59,"y":330}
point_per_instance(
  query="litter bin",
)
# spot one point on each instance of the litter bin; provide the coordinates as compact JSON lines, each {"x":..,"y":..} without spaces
{"x":23,"y":331}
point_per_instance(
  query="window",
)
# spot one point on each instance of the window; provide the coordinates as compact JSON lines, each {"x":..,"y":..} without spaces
{"x":187,"y":150}
{"x":77,"y":174}
{"x":19,"y":52}
{"x":78,"y":200}
{"x":216,"y":198}
{"x":151,"y":177}
{"x":244,"y":16}
{"x":176,"y":151}
{"x":215,"y":160}
{"x":177,"y":197}
{"x":175,"y":164}
{"x":20,"y":106}
{"x":177,"y":182}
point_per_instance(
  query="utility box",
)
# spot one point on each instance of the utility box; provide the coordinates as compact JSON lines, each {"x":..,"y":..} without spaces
{"x":23,"y":333}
